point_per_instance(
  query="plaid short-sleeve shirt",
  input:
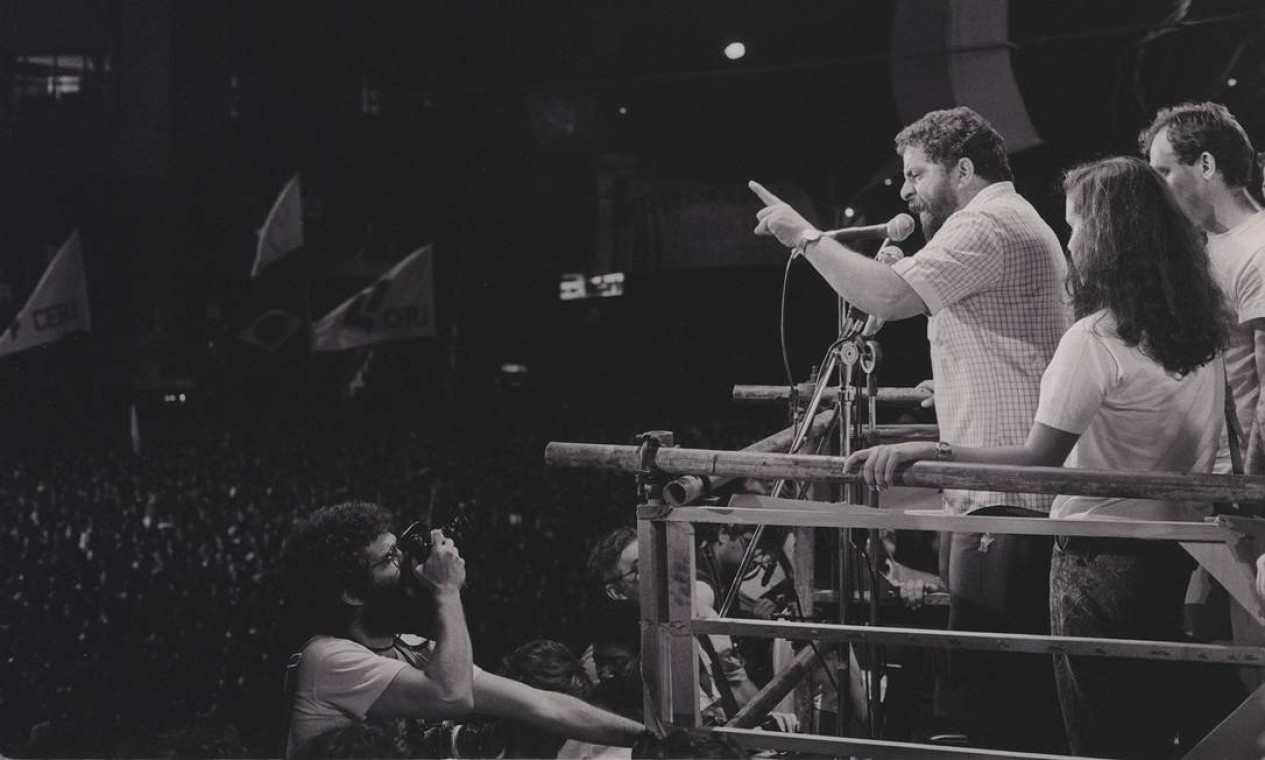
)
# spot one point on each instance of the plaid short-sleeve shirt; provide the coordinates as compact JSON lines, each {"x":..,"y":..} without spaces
{"x":993,"y":281}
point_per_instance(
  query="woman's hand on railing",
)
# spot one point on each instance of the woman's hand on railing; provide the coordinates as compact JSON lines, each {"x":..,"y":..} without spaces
{"x":877,"y":465}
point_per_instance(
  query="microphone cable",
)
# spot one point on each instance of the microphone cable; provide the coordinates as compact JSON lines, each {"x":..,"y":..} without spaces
{"x":786,"y":356}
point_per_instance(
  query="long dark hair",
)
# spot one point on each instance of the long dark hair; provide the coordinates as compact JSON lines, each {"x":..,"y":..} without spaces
{"x":1143,"y":261}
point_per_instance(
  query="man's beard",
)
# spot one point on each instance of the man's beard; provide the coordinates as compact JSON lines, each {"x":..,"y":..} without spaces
{"x":405,"y":607}
{"x":932,"y":215}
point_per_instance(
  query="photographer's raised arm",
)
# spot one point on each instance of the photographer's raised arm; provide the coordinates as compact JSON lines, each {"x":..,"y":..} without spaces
{"x":552,"y":711}
{"x":443,"y":687}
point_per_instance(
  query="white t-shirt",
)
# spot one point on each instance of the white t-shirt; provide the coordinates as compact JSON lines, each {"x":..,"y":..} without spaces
{"x":337,"y":682}
{"x":1238,"y":265}
{"x":1131,"y":414}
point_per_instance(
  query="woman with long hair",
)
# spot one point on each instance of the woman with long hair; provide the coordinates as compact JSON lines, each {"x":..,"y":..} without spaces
{"x":1136,"y":384}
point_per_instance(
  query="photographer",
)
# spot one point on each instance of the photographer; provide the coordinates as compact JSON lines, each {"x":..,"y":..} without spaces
{"x":361,"y":595}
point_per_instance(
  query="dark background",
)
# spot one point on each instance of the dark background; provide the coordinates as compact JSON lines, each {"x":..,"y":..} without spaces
{"x":490,"y":130}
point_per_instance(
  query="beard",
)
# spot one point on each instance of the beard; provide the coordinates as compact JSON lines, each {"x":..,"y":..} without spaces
{"x":404,"y":607}
{"x":932,"y":214}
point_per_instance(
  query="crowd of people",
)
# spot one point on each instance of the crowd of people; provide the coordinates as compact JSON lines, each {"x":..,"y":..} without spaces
{"x":144,"y":610}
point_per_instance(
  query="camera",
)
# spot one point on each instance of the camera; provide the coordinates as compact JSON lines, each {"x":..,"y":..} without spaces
{"x":480,"y":739}
{"x":415,"y":542}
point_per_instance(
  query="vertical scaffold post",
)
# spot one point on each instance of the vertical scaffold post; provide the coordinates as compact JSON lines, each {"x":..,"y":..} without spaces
{"x":666,"y":587}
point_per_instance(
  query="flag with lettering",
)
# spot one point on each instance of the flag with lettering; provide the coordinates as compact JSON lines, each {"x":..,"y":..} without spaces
{"x":57,"y":307}
{"x":400,"y":304}
{"x":282,"y":232}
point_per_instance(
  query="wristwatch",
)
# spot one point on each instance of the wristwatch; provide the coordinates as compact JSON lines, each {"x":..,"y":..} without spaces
{"x":806,"y":238}
{"x":944,"y":451}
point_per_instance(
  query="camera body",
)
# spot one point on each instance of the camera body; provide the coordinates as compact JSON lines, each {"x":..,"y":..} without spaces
{"x":414,"y":541}
{"x":417,"y":611}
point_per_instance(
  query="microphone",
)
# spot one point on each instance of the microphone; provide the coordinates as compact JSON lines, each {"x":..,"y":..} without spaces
{"x":896,"y":229}
{"x":888,"y":254}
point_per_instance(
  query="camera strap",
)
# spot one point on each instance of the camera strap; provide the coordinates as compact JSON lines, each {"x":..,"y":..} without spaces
{"x":288,"y":685}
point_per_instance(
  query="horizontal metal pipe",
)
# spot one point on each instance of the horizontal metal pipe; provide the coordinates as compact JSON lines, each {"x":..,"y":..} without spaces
{"x":1170,"y":651}
{"x":781,"y":393}
{"x":1005,"y":478}
{"x":688,"y":488}
{"x":901,"y":433}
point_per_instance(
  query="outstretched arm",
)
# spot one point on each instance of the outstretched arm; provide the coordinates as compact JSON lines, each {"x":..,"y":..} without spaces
{"x":552,"y":711}
{"x":1045,"y":447}
{"x":871,"y":285}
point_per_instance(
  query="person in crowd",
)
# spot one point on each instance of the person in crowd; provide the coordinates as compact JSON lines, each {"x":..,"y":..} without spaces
{"x":613,"y":562}
{"x":616,"y":651}
{"x":990,"y":277}
{"x":1135,"y":384}
{"x":361,"y":596}
{"x":550,"y":665}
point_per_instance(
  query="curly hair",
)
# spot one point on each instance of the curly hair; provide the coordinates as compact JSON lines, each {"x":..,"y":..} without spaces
{"x":946,"y":136}
{"x":325,"y":556}
{"x":1143,"y":261}
{"x":1196,"y":128}
{"x":549,"y":665}
{"x":604,"y":558}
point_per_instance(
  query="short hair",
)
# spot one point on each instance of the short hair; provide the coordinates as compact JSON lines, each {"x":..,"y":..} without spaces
{"x":603,"y":561}
{"x":546,"y":664}
{"x":1144,"y":262}
{"x":324,"y":556}
{"x":1196,"y":128}
{"x":948,"y":135}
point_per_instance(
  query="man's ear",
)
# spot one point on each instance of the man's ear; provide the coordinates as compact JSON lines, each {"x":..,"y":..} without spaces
{"x":964,"y":172}
{"x":1207,"y":165}
{"x":351,"y":599}
{"x":613,"y":592}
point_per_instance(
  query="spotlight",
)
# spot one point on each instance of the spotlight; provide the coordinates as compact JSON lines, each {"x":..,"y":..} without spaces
{"x":735,"y":50}
{"x":849,"y":212}
{"x":1231,"y":82}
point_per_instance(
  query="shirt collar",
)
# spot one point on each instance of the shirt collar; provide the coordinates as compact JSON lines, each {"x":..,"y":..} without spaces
{"x":990,"y":192}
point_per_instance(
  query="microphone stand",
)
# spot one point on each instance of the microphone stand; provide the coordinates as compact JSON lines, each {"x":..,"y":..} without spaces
{"x":847,"y":351}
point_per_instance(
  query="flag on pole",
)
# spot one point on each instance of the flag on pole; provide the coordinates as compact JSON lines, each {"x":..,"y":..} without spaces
{"x":57,"y":307}
{"x":134,"y":425}
{"x":282,"y":232}
{"x":360,"y":377}
{"x":400,"y":304}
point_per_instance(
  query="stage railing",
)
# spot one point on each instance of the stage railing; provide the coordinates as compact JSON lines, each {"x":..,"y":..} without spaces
{"x":1226,"y":545}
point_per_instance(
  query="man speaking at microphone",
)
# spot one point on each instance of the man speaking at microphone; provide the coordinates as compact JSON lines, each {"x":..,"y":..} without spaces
{"x":990,"y":278}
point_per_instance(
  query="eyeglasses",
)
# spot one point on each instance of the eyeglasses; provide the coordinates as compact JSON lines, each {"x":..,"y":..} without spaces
{"x":632,"y":573}
{"x":393,"y":555}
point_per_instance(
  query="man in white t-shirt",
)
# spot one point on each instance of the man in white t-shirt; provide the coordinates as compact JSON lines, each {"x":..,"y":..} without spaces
{"x":1206,"y":159}
{"x":359,"y":592}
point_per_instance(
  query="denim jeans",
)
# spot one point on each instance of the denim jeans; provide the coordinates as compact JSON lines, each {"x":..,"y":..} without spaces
{"x":1127,"y":589}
